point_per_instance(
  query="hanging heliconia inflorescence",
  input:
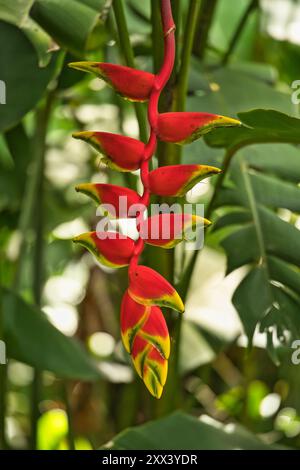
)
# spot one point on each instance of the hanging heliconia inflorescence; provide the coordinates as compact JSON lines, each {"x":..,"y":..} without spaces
{"x":143,"y":327}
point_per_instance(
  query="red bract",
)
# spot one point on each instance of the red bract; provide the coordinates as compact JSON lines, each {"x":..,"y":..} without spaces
{"x":185,"y":127}
{"x":148,"y":287}
{"x":147,"y":322}
{"x":177,"y":180}
{"x":151,"y":366}
{"x":120,"y":153}
{"x":111,"y":249}
{"x":167,"y":230}
{"x":132,"y":84}
{"x":116,"y":199}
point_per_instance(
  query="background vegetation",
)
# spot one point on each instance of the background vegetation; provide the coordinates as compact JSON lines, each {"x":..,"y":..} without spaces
{"x":68,"y":383}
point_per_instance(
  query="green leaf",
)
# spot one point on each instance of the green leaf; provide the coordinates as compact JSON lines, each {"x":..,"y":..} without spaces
{"x":218,"y":90}
{"x":25,"y":81}
{"x":264,"y":125}
{"x":180,"y":431}
{"x":268,"y":190}
{"x":253,"y":307}
{"x":257,"y":234}
{"x":227,"y":16}
{"x":195,"y":350}
{"x":70,"y":23}
{"x":225,"y":95}
{"x":41,"y":41}
{"x":32,"y":339}
{"x":15,"y":11}
{"x":269,"y":295}
{"x":278,"y":160}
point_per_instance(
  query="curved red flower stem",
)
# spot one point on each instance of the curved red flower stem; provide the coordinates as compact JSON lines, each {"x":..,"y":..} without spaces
{"x":160,"y":81}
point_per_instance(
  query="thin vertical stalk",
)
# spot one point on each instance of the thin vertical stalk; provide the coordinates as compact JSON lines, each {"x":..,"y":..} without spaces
{"x":185,"y":282}
{"x":207,"y":10}
{"x":127,"y":51}
{"x":3,"y":390}
{"x":3,"y":385}
{"x":71,"y":437}
{"x":181,"y":89}
{"x":251,"y":7}
{"x":42,"y":119}
{"x":188,"y":40}
{"x":157,"y":41}
{"x":177,"y":13}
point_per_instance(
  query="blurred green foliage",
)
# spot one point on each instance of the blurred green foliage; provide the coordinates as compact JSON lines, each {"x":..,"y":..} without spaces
{"x":68,"y":382}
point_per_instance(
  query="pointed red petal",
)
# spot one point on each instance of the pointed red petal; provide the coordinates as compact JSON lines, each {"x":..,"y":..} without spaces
{"x":155,"y":331}
{"x":111,"y":249}
{"x":169,"y":229}
{"x":177,"y":180}
{"x":145,"y":336}
{"x":184,"y":127}
{"x":121,"y":153}
{"x":117,"y":200}
{"x":135,"y":85}
{"x":133,"y":316}
{"x":151,"y":366}
{"x":145,"y":321}
{"x":148,"y":287}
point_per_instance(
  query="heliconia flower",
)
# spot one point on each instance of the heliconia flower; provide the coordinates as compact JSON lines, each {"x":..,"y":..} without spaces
{"x":112,"y":196}
{"x":120,"y":152}
{"x":169,"y":229}
{"x":185,"y":127}
{"x":111,"y":249}
{"x":148,"y":287}
{"x":177,"y":180}
{"x":132,"y":84}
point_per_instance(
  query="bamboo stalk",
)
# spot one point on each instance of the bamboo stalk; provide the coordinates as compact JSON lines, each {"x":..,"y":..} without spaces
{"x":127,"y":51}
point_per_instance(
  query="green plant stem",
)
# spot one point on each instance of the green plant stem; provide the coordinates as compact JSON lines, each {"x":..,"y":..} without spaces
{"x":42,"y":119}
{"x":180,"y":94}
{"x":25,"y":223}
{"x":179,"y":105}
{"x":251,"y":7}
{"x":188,"y":39}
{"x":185,"y":282}
{"x":156,"y":35}
{"x":170,"y":155}
{"x":3,"y":390}
{"x":3,"y":384}
{"x":71,"y":437}
{"x":126,"y":48}
{"x":177,"y":14}
{"x":204,"y":22}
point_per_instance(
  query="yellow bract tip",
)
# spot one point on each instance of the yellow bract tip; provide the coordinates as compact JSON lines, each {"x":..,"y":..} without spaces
{"x":227,"y":121}
{"x":84,"y":66}
{"x":84,"y":135}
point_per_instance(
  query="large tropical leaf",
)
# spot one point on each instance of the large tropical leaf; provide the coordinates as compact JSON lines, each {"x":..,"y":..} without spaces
{"x":73,"y":24}
{"x":32,"y":339}
{"x":15,"y":12}
{"x":24,"y":80}
{"x":260,"y":126}
{"x":218,"y":90}
{"x":251,"y":229}
{"x":181,"y":431}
